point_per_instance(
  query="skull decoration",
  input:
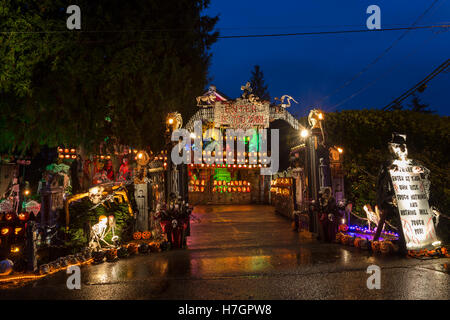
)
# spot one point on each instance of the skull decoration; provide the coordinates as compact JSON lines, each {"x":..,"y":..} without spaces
{"x":95,"y":194}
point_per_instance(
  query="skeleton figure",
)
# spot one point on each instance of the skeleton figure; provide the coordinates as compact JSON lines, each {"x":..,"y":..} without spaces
{"x":372,"y":216}
{"x":287,"y":103}
{"x":100,"y":230}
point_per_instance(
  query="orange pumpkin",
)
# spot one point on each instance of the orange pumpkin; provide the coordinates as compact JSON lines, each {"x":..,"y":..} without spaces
{"x":137,"y":235}
{"x":146,"y":235}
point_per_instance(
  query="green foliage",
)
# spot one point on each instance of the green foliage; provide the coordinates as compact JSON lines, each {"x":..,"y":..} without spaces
{"x":133,"y":62}
{"x":364,"y":135}
{"x":82,"y":219}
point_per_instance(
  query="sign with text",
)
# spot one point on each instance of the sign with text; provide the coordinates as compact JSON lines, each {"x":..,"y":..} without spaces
{"x":242,"y":114}
{"x":412,"y":202}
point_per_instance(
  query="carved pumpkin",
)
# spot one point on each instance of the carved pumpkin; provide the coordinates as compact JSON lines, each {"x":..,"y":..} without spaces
{"x":23,"y":216}
{"x":386,"y":247}
{"x":137,"y":235}
{"x":146,"y":235}
{"x":375,"y":246}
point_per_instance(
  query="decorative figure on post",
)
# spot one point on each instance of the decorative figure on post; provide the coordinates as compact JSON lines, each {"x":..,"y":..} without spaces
{"x":142,"y":159}
{"x":247,"y":89}
{"x":174,"y":121}
{"x":287,"y":103}
{"x":208,"y":98}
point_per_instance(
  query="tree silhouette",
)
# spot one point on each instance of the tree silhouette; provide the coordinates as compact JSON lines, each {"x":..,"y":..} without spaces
{"x":257,"y":84}
{"x":417,"y":106}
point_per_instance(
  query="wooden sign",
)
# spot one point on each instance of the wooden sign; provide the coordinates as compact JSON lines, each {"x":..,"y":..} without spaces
{"x":412,"y":202}
{"x":242,"y":114}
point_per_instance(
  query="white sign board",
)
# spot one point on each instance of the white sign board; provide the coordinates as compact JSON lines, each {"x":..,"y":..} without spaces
{"x":412,"y":201}
{"x":242,"y":114}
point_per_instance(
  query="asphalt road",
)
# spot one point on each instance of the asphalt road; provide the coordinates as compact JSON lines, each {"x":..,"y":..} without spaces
{"x":247,"y":252}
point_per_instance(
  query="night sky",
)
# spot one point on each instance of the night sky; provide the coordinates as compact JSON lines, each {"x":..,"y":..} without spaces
{"x":309,"y":68}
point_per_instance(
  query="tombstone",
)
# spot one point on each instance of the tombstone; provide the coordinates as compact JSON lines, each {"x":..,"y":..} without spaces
{"x":403,"y":193}
{"x":141,"y":196}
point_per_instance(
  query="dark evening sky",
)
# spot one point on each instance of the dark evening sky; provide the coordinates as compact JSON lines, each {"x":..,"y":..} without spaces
{"x":309,"y":68}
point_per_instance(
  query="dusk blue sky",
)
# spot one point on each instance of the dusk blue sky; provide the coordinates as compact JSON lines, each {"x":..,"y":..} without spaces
{"x":311,"y":67}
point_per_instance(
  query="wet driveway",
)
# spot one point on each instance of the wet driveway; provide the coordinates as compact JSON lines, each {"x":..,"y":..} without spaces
{"x":247,"y":252}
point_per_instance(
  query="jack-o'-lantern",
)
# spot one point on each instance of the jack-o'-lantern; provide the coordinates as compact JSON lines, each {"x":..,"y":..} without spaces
{"x":9,"y":216}
{"x":146,"y":235}
{"x":375,"y":246}
{"x":5,"y":231}
{"x":19,"y":231}
{"x":386,"y":247}
{"x":137,"y":235}
{"x":23,"y":216}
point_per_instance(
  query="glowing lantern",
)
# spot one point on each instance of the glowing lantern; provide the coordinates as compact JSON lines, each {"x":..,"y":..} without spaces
{"x":4,"y":231}
{"x":15,"y":249}
{"x":18,"y":230}
{"x":9,"y":216}
{"x":23,"y":216}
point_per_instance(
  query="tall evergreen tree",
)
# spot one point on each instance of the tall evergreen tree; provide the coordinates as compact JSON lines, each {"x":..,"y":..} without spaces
{"x":132,"y":62}
{"x":258,"y":85}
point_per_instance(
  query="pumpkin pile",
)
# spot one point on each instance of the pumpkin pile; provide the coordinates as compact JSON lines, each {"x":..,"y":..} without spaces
{"x":436,"y":253}
{"x":339,"y":236}
{"x":111,"y":255}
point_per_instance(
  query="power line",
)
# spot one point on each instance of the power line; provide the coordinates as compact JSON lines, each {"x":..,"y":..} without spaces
{"x":377,"y":79}
{"x":367,"y":67}
{"x":332,"y":32}
{"x":419,"y":85}
{"x":444,"y":25}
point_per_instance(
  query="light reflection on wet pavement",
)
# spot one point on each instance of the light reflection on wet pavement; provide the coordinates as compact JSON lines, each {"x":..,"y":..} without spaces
{"x":247,"y":252}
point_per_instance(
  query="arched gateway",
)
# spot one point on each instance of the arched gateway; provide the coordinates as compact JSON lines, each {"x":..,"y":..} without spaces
{"x":231,"y":174}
